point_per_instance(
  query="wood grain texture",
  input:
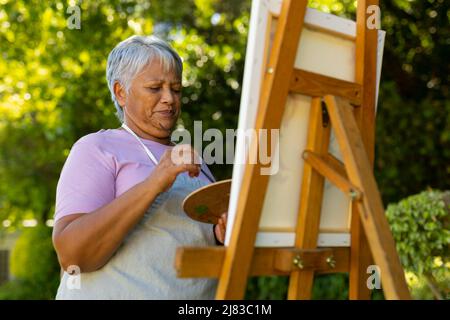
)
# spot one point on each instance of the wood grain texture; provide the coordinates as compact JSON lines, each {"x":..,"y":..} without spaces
{"x":195,"y":262}
{"x":336,"y":164}
{"x":317,"y":85}
{"x":327,"y":170}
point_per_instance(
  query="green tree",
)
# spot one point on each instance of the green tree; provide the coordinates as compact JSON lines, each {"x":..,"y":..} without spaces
{"x":54,"y":89}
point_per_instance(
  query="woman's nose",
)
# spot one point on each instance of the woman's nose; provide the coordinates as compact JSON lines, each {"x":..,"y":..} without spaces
{"x":167,"y":96}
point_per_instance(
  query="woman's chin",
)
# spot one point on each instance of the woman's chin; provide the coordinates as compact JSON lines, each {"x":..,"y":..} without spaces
{"x":166,"y":126}
{"x":167,"y":123}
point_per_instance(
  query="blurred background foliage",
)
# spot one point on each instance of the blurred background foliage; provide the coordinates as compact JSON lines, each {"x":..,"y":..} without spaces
{"x":53,"y":91}
{"x":421,"y":228}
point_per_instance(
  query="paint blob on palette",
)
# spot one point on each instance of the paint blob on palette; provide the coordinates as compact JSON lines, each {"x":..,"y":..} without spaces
{"x":209,"y":202}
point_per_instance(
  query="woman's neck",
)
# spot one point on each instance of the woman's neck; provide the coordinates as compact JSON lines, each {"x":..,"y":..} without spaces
{"x":144,"y":135}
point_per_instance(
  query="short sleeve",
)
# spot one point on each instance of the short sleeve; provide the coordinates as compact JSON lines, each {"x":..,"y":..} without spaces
{"x":87,"y":180}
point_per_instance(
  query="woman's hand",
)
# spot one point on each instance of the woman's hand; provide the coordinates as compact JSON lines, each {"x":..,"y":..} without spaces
{"x":221,"y":227}
{"x":174,"y":161}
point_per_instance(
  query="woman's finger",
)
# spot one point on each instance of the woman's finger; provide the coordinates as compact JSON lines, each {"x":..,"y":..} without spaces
{"x":224,"y":218}
{"x":218,"y":233}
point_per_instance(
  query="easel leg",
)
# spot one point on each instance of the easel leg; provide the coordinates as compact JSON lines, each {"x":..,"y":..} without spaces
{"x":360,"y":259}
{"x":301,"y":282}
{"x":371,"y":208}
{"x":366,"y":62}
{"x":360,"y":254}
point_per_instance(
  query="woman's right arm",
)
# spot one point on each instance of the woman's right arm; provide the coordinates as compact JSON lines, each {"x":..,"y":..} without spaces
{"x":89,"y":240}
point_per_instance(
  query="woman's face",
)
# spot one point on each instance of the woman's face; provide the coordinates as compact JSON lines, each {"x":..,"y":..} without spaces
{"x":152,"y":105}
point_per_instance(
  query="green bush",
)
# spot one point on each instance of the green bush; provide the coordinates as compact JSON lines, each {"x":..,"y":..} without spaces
{"x":34,"y":267}
{"x":267,"y":288}
{"x":420,"y":226}
{"x":20,"y":289}
{"x":330,"y":287}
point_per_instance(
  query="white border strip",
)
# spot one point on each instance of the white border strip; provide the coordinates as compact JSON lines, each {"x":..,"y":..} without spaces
{"x":287,"y":239}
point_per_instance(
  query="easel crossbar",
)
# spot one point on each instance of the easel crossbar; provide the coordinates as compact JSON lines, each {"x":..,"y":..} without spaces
{"x":323,"y":167}
{"x":195,"y":262}
{"x":317,"y":85}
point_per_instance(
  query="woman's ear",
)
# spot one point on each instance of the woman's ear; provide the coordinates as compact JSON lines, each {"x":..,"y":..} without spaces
{"x":120,"y":93}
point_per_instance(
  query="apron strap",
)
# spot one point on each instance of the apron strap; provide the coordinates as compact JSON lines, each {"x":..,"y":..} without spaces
{"x":149,"y":153}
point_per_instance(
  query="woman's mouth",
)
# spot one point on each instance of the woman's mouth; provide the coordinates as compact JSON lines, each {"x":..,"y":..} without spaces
{"x":169,"y":114}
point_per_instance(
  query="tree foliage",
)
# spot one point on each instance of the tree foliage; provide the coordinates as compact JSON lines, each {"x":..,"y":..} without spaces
{"x":53,"y":88}
{"x":34,"y":267}
{"x":420,"y":225}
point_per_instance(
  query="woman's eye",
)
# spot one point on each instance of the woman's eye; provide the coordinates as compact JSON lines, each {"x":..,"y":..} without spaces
{"x":177,"y":90}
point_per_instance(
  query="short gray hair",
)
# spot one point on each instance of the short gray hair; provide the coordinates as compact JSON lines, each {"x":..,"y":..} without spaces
{"x":128,"y":58}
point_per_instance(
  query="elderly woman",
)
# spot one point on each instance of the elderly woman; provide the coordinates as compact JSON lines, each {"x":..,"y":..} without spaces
{"x":118,"y":209}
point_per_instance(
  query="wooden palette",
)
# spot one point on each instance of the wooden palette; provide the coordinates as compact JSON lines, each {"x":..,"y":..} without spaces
{"x":209,"y":202}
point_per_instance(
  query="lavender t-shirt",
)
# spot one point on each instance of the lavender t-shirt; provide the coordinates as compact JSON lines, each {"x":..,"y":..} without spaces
{"x":101,"y":166}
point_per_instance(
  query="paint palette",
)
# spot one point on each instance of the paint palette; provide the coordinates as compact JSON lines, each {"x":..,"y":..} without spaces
{"x":209,"y":202}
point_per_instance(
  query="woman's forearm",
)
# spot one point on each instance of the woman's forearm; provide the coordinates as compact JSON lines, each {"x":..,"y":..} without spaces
{"x":91,"y":239}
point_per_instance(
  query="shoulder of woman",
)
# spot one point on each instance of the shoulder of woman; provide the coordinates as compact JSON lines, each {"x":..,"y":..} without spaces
{"x":94,"y":138}
{"x":93,"y":148}
{"x":96,"y":144}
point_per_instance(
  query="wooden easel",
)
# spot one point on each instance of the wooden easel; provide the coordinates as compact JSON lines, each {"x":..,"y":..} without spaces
{"x":370,"y":231}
